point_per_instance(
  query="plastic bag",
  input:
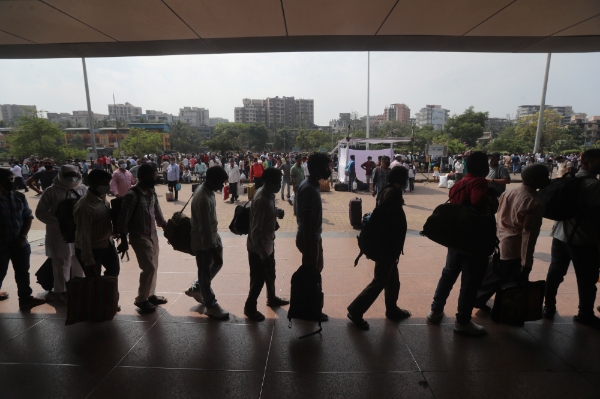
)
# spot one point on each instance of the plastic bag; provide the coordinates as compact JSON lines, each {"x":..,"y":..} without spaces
{"x":443,"y":182}
{"x":450,"y":183}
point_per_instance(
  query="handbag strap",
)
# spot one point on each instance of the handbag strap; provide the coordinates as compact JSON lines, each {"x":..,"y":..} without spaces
{"x":457,"y":191}
{"x":188,"y":201}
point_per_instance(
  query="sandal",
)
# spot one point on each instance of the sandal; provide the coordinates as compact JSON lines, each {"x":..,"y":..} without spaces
{"x":145,"y":307}
{"x":361,"y":323}
{"x":3,"y":296}
{"x":157,"y":300}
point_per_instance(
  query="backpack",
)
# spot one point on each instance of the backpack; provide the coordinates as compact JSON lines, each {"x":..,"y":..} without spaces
{"x":66,"y":219}
{"x":240,"y":224}
{"x":462,"y":228}
{"x":563,"y":197}
{"x":116,"y":204}
{"x":178,"y":231}
{"x":383,"y":234}
{"x":306,"y":297}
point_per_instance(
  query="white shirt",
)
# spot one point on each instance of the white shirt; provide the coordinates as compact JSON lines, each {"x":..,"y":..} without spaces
{"x":459,"y":167}
{"x":132,"y":162}
{"x":233,"y":172}
{"x":305,"y":169}
{"x":16,"y":171}
{"x":173,"y":172}
{"x":186,"y":162}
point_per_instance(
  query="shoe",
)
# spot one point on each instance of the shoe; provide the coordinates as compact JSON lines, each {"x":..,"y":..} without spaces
{"x":31,"y":303}
{"x":397,"y":314}
{"x":470,"y":328}
{"x":548,"y":313}
{"x":3,"y":296}
{"x":361,"y":323}
{"x":53,"y":296}
{"x":217,"y":312}
{"x":254,"y":315}
{"x":435,"y":317}
{"x":157,"y":300}
{"x":591,"y":321}
{"x":485,"y":308}
{"x":145,"y":307}
{"x":276,"y":302}
{"x":197,"y":295}
{"x":324,"y":317}
{"x":65,"y":298}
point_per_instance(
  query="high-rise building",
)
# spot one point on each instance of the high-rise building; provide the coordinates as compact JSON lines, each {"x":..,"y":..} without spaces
{"x":397,"y":112}
{"x":195,"y":116}
{"x":77,"y":119}
{"x":153,"y":116}
{"x":277,"y":112}
{"x":525,"y":110}
{"x":12,"y":112}
{"x":496,"y":125}
{"x":124,"y":112}
{"x":217,"y":121}
{"x":433,"y":115}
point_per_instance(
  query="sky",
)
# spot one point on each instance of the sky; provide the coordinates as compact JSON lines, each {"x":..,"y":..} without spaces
{"x":337,"y":81}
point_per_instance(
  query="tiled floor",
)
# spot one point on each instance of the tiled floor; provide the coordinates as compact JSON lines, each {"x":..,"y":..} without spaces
{"x":180,"y":353}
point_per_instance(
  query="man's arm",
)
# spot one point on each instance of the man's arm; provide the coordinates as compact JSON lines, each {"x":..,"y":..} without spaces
{"x":158,"y":215}
{"x":530,"y":233}
{"x":84,"y":226}
{"x":30,"y":183}
{"x":43,"y":211}
{"x":259,"y":210}
{"x":364,"y":166}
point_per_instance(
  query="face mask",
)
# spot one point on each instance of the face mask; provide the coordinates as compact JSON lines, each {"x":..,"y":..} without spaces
{"x":123,"y":165}
{"x":103,"y":189}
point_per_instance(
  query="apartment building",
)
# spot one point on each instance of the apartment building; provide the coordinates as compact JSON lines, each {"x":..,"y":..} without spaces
{"x":525,"y":110}
{"x":433,"y":115}
{"x":277,"y":112}
{"x":153,"y":116}
{"x":124,"y":112}
{"x":212,"y":122}
{"x":12,"y":112}
{"x":194,"y":116}
{"x":252,"y":111}
{"x":496,"y":125}
{"x":397,"y":112}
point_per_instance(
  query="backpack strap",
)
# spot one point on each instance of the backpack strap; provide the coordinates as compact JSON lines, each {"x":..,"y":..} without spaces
{"x":314,"y":332}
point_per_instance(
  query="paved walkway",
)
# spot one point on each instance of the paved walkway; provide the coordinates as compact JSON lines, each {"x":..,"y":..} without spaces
{"x":179,"y":352}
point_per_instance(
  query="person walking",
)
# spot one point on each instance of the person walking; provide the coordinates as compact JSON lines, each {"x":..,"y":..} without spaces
{"x":45,"y":177}
{"x":67,"y":184}
{"x":206,"y":242}
{"x":256,"y":172}
{"x":473,"y":188}
{"x":286,"y":182}
{"x":261,"y":244}
{"x":15,"y":222}
{"x":368,"y":168}
{"x":173,"y":178}
{"x":122,"y":180}
{"x":296,"y":176}
{"x":94,"y":245}
{"x":386,"y":275}
{"x":234,"y":176}
{"x":411,"y":178}
{"x":139,"y":217}
{"x":19,"y":183}
{"x":308,"y":208}
{"x":576,"y":241}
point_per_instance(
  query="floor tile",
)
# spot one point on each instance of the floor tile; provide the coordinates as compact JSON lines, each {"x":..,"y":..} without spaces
{"x":546,"y":385}
{"x":10,"y":328}
{"x":214,"y":345}
{"x":99,"y":344}
{"x":338,"y":348}
{"x":345,"y":385}
{"x":133,"y":382}
{"x":48,"y":381}
{"x":9,"y":308}
{"x":504,"y":348}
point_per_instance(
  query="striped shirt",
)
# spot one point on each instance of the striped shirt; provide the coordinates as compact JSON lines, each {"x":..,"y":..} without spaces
{"x":381,"y":178}
{"x":92,"y":217}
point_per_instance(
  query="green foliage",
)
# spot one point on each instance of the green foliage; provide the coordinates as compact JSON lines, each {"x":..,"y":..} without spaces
{"x":508,"y":141}
{"x":468,"y":126}
{"x":551,"y":130}
{"x":239,"y":136}
{"x":37,"y":136}
{"x":77,"y":142}
{"x":183,"y":138}
{"x":575,"y":132}
{"x":142,"y":142}
{"x":454,"y":145}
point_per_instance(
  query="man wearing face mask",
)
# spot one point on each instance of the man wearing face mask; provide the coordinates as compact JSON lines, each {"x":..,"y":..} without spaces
{"x":173,"y":177}
{"x":261,"y":244}
{"x":67,"y":184}
{"x":519,"y":220}
{"x":44,"y":177}
{"x":94,"y":246}
{"x":206,"y":242}
{"x":140,"y":214}
{"x":122,"y":180}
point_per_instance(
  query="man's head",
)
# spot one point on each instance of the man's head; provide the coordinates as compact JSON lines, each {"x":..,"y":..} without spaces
{"x":590,"y":161}
{"x":318,"y":166}
{"x":385,"y":162}
{"x":494,"y":158}
{"x":369,"y":158}
{"x":398,"y":176}
{"x":352,"y":157}
{"x":536,"y":176}
{"x":255,"y":160}
{"x":146,"y":175}
{"x":122,"y":164}
{"x":99,"y":181}
{"x":298,"y":160}
{"x":48,"y":164}
{"x":398,"y":157}
{"x":215,"y":177}
{"x":172,"y":160}
{"x":143,"y":161}
{"x":477,"y":164}
{"x":231,"y":161}
{"x":272,"y":180}
{"x":6,"y":180}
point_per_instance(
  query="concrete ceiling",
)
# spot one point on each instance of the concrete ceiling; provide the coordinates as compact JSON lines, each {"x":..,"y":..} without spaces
{"x":114,"y":28}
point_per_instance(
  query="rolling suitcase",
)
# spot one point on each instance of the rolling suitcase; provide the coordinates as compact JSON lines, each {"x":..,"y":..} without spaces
{"x":324,"y":186}
{"x":92,"y":299}
{"x":356,"y":212}
{"x":170,"y":196}
{"x":251,"y":188}
{"x":340,"y":187}
{"x":517,"y":303}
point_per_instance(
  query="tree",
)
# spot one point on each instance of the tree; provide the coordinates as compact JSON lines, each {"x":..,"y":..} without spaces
{"x":183,"y":137}
{"x":551,"y":130}
{"x":454,"y":145}
{"x":508,"y":141}
{"x":468,"y":126}
{"x":142,"y":142}
{"x":37,"y":136}
{"x":258,"y":136}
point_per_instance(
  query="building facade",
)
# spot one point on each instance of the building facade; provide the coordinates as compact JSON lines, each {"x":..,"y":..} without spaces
{"x":525,"y":110}
{"x":153,"y":116}
{"x":252,"y":111}
{"x":397,"y":112}
{"x":12,"y":112}
{"x":124,"y":112}
{"x":433,"y":115}
{"x":194,"y":116}
{"x":496,"y":125}
{"x":277,"y":112}
{"x":212,"y":122}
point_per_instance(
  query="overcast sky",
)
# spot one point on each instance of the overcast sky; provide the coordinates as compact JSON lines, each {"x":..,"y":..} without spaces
{"x":337,"y":82}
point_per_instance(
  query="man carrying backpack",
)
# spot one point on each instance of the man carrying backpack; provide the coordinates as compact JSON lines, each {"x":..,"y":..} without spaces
{"x":67,"y":184}
{"x":576,"y":240}
{"x":472,"y":189}
{"x":308,"y":209}
{"x":386,"y":270}
{"x":206,"y":241}
{"x":94,"y":246}
{"x":518,"y":224}
{"x":140,"y":214}
{"x":261,"y":244}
